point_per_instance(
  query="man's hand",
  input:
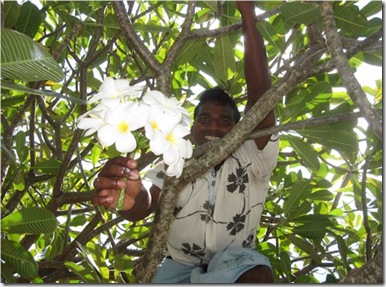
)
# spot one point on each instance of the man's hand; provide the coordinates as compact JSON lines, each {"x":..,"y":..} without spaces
{"x":110,"y":182}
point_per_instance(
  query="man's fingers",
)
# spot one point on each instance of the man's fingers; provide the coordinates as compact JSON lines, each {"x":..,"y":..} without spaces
{"x":118,"y":166}
{"x":109,"y":183}
{"x":104,"y":197}
{"x":116,"y":182}
{"x":112,"y":169}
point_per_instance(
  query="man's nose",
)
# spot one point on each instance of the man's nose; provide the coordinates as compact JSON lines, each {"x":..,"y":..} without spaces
{"x":213,"y":125}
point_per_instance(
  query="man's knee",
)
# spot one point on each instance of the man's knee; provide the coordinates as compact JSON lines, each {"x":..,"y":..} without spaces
{"x":257,"y":274}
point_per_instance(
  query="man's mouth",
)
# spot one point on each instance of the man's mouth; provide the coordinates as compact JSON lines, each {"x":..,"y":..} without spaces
{"x":211,"y":138}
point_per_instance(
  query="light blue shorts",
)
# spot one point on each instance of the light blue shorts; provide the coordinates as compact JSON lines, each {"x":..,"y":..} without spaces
{"x":224,"y":267}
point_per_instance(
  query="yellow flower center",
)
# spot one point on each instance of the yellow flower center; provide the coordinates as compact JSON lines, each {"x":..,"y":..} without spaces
{"x":171,"y":138}
{"x":123,"y":127}
{"x":154,"y":125}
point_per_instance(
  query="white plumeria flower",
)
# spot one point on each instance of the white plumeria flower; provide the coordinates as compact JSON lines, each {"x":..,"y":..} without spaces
{"x":152,"y":125}
{"x":92,"y":120}
{"x":117,"y":115}
{"x":176,"y":169}
{"x":170,"y":142}
{"x":112,"y":92}
{"x":120,"y":121}
{"x":156,"y":99}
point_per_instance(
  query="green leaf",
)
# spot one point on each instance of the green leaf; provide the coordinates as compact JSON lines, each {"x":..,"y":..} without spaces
{"x":322,"y":195}
{"x":14,"y":87}
{"x":342,"y":249}
{"x":50,"y":166}
{"x":11,"y":10}
{"x":285,"y":264}
{"x":332,"y":137}
{"x":190,"y":50}
{"x":269,"y":33}
{"x":56,"y":245}
{"x":151,"y":28}
{"x":228,"y":12}
{"x":312,"y":218}
{"x":350,"y":20}
{"x":330,"y":278}
{"x":79,"y":272}
{"x":312,"y":230}
{"x":372,"y":8}
{"x":298,"y":191}
{"x":12,"y":101}
{"x":21,"y":148}
{"x":19,"y":182}
{"x":7,"y":272}
{"x":224,"y":58}
{"x":29,"y":220}
{"x":305,"y":246}
{"x":306,"y":152}
{"x":26,"y":60}
{"x":89,"y":259}
{"x":15,"y":255}
{"x":29,"y":20}
{"x":374,"y":59}
{"x":300,"y":13}
{"x":123,"y":262}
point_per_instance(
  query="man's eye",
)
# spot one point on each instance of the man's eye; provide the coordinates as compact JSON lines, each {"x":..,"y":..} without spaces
{"x":203,"y":120}
{"x":225,"y":122}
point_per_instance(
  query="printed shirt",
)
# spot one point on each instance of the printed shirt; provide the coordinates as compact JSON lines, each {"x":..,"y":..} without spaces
{"x":220,"y":209}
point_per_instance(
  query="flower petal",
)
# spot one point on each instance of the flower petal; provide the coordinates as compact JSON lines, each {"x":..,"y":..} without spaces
{"x":171,"y":155}
{"x":107,"y":135}
{"x":180,"y":131}
{"x":159,"y":145}
{"x":167,"y":123}
{"x":107,"y":89}
{"x":126,"y":143}
{"x":184,"y":147}
{"x":176,"y":169}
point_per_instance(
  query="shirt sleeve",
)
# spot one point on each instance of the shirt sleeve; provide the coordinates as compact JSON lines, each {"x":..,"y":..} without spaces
{"x":156,"y":175}
{"x":264,"y":160}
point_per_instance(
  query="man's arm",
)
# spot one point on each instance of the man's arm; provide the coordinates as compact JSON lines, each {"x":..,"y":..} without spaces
{"x":138,"y":202}
{"x":255,"y":65}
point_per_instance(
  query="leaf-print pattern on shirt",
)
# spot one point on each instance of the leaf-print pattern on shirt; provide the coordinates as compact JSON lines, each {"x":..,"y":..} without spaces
{"x":209,"y":208}
{"x":248,"y":243}
{"x":239,"y":179}
{"x":160,"y":174}
{"x":177,"y":210}
{"x":237,"y":224}
{"x":193,"y":250}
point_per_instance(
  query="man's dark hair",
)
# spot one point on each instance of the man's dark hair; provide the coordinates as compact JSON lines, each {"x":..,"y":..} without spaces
{"x":218,"y":95}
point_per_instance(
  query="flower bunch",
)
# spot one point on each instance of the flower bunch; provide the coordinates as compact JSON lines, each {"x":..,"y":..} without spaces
{"x":120,"y":111}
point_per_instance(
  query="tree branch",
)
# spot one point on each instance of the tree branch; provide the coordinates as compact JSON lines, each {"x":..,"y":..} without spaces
{"x":340,"y":61}
{"x":370,"y":273}
{"x":133,"y":40}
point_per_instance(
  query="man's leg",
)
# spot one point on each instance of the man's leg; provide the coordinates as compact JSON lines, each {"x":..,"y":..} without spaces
{"x":170,"y":271}
{"x":257,"y":274}
{"x":235,"y":265}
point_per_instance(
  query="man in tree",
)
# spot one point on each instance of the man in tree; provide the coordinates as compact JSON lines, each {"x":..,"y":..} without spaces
{"x":212,"y":236}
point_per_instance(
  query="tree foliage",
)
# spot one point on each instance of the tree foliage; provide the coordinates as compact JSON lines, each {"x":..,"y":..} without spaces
{"x":323,"y":215}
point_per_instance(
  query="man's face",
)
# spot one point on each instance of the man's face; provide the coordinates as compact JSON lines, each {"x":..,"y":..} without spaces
{"x":213,"y":121}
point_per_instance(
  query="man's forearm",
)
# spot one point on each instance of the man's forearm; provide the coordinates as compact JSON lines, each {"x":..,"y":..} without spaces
{"x":256,"y":71}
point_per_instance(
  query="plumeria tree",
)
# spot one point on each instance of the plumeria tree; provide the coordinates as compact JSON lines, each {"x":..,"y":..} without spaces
{"x":83,"y":81}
